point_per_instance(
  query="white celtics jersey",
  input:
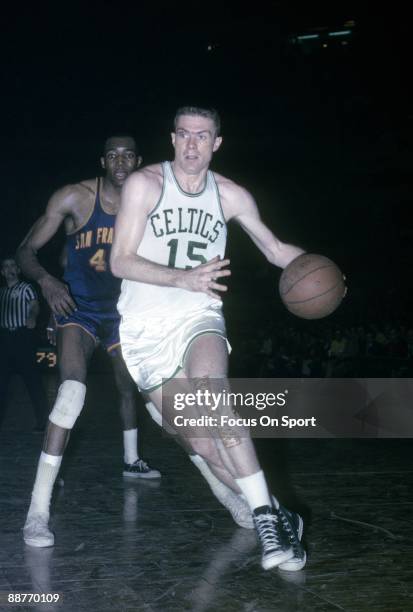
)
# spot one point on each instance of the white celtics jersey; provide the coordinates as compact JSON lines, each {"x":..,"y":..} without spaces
{"x":184,"y":230}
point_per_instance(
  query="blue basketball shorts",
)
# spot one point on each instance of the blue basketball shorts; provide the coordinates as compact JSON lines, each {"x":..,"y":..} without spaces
{"x":99,"y":319}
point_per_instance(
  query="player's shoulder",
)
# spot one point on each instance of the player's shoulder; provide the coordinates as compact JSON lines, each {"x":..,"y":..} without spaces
{"x":151,"y":174}
{"x":145,"y":182}
{"x":74,"y":193}
{"x":142,"y":188}
{"x":229,"y":190}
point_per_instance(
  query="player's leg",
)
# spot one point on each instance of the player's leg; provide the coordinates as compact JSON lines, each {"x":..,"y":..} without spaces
{"x":207,"y":365}
{"x":203,"y":453}
{"x":225,"y":494}
{"x":75,"y":347}
{"x":195,"y":440}
{"x":134,"y":466}
{"x":136,"y":347}
{"x":206,"y":362}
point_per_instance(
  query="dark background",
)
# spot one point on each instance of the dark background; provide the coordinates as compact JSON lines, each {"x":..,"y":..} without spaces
{"x":322,"y":137}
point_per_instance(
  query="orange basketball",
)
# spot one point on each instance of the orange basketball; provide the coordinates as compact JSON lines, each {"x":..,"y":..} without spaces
{"x":311,"y":286}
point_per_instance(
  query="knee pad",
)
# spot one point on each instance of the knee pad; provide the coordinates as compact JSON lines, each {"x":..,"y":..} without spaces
{"x":155,"y":414}
{"x":68,"y":404}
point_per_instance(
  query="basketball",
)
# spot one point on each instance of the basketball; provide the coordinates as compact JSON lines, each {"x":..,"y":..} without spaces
{"x":311,"y":286}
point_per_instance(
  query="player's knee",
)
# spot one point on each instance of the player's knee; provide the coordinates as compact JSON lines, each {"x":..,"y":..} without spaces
{"x":68,"y":404}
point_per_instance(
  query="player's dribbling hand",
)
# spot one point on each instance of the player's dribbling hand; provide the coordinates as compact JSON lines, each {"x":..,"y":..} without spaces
{"x":57,"y":296}
{"x":203,"y":278}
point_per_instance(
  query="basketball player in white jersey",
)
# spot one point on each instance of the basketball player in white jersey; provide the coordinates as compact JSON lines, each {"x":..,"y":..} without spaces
{"x":169,"y":246}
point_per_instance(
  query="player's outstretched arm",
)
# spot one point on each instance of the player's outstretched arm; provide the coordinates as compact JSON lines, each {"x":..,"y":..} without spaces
{"x":241,"y":206}
{"x":54,"y":291}
{"x":139,"y":196}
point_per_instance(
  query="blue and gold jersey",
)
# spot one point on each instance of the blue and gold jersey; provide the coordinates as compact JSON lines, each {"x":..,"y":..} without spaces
{"x":87,"y":270}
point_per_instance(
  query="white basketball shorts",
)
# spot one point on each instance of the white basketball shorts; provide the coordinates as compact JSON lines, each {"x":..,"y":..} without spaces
{"x":154,"y":349}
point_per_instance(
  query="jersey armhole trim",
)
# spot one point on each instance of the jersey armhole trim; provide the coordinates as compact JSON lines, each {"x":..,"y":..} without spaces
{"x":162,"y":192}
{"x":91,"y":212}
{"x":88,"y":188}
{"x":218,"y":198}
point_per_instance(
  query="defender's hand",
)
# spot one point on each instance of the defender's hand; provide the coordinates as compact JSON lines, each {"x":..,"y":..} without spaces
{"x":203,"y":278}
{"x":57,"y":296}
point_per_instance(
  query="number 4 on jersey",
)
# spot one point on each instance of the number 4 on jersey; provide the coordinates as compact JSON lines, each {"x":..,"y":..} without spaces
{"x":98,"y":261}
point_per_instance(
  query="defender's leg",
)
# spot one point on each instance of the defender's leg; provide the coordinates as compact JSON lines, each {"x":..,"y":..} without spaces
{"x":134,"y":466}
{"x":75,"y":347}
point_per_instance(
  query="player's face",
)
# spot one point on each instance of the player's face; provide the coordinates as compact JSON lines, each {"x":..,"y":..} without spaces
{"x":120,"y":160}
{"x":10,"y":270}
{"x":194,"y":142}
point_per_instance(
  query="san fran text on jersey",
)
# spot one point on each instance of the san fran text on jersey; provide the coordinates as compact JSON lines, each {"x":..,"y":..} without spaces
{"x":100,"y":235}
{"x":182,"y":220}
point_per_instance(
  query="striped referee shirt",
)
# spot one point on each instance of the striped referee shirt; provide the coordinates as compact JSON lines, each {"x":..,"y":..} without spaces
{"x":14,"y":305}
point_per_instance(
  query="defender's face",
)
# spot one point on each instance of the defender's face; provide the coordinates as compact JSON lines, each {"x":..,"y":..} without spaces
{"x":120,"y":160}
{"x":194,"y":142}
{"x":10,"y":270}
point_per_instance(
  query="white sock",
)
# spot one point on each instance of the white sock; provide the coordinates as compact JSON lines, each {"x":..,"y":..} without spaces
{"x":255,"y":490}
{"x":47,"y":470}
{"x":130,"y":446}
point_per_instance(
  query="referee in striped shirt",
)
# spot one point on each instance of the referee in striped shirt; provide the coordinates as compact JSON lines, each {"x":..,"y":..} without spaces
{"x":19,"y":309}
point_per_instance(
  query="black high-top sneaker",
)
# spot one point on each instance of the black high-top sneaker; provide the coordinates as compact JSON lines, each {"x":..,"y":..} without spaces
{"x":276,"y":547}
{"x":293,"y":526}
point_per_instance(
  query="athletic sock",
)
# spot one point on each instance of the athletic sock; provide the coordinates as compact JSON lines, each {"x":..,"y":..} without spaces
{"x":47,"y":470}
{"x":130,"y":446}
{"x":255,"y":490}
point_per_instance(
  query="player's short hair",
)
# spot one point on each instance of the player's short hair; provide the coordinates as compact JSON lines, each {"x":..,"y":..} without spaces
{"x":121,"y":135}
{"x":198,"y":111}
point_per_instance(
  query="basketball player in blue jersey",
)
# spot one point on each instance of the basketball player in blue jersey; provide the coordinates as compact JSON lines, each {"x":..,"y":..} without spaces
{"x":169,"y":247}
{"x":84,"y":306}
